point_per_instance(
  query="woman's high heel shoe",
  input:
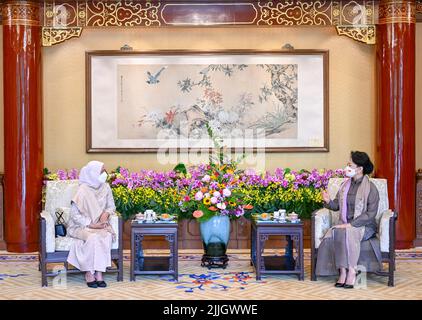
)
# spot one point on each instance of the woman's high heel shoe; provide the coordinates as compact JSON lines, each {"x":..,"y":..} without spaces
{"x":351,"y":286}
{"x":92,"y":284}
{"x":339,"y":285}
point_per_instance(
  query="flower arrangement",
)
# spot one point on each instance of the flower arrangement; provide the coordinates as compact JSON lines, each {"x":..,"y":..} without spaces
{"x":174,"y":191}
{"x":216,"y":188}
{"x":295,"y":191}
{"x":240,"y":192}
{"x":138,"y":191}
{"x":61,"y":174}
{"x":217,"y":193}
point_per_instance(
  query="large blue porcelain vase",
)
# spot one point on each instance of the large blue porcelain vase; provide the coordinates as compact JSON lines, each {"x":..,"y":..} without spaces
{"x":215,"y":234}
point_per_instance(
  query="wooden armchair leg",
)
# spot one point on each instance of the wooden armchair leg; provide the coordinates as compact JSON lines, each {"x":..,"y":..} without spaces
{"x":120,"y":266}
{"x":391,"y":269}
{"x":44,"y":282}
{"x":392,"y":251}
{"x":391,"y":274}
{"x":313,"y":248}
{"x":313,"y":265}
{"x":120,"y":272}
{"x":120,"y":259}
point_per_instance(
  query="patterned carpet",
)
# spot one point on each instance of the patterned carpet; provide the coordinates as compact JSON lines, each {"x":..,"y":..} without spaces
{"x":20,"y":279}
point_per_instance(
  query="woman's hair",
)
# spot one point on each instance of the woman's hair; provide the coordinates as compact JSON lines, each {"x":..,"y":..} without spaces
{"x":361,"y":159}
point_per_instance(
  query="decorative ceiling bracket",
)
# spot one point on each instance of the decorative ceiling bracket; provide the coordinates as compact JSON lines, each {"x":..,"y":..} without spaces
{"x":52,"y":36}
{"x":362,"y":33}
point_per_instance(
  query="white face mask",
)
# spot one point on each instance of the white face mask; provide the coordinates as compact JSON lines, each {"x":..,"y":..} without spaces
{"x":350,"y":172}
{"x":103,"y":177}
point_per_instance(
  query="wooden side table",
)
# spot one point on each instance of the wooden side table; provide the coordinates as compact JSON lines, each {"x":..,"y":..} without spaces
{"x":144,"y":265}
{"x":291,"y":262}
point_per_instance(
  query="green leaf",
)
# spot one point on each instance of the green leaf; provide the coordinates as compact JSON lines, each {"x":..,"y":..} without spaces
{"x":208,"y":214}
{"x":181,"y":168}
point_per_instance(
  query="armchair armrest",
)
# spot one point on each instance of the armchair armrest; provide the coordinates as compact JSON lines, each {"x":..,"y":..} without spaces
{"x":116,"y":222}
{"x":323,"y":220}
{"x":386,"y":225}
{"x":49,"y":236}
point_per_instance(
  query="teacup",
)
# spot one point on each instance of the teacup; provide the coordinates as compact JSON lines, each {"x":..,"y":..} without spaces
{"x":293,"y":216}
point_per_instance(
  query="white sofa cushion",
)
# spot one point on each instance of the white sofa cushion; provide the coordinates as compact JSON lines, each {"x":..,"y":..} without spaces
{"x":59,"y":194}
{"x":64,"y":243}
{"x":114,"y":222}
{"x":384,"y":230}
{"x":324,"y":220}
{"x":49,"y":231}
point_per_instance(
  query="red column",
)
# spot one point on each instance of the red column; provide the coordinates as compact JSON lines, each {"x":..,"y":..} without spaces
{"x":23,"y":139}
{"x":396,"y":111}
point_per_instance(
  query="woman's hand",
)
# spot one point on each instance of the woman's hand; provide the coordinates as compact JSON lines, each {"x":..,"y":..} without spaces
{"x":325,"y":196}
{"x":100,"y":225}
{"x":343,"y":226}
{"x":104,"y":217}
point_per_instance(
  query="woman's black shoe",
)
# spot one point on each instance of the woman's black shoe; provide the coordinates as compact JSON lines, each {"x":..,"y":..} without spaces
{"x":351,"y":286}
{"x":101,"y":284}
{"x":92,"y":284}
{"x":339,"y":285}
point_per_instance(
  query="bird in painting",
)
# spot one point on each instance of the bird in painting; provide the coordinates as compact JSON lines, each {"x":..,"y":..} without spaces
{"x":153,"y":79}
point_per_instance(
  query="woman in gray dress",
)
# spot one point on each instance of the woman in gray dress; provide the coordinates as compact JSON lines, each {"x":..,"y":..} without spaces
{"x":345,"y":245}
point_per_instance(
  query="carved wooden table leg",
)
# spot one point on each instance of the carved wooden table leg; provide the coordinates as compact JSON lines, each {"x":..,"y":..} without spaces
{"x":291,"y":262}
{"x":173,"y":254}
{"x":262,"y":238}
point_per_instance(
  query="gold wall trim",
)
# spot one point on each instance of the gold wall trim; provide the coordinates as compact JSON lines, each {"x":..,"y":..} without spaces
{"x":316,"y":13}
{"x":21,"y":13}
{"x":155,"y":13}
{"x":64,"y":19}
{"x":399,"y":11}
{"x":52,"y":36}
{"x":365,"y":34}
{"x":66,"y":14}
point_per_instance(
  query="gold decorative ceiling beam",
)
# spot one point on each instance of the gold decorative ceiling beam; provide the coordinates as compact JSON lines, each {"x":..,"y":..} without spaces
{"x":126,"y":13}
{"x":64,"y":19}
{"x":52,"y":36}
{"x":365,"y":34}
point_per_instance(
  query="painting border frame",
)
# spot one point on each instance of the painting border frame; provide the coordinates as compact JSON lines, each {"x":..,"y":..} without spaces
{"x":88,"y":94}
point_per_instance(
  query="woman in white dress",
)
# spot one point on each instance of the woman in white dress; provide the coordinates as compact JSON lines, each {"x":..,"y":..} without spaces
{"x":92,"y":206}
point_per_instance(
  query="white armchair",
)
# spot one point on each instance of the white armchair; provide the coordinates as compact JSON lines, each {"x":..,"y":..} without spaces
{"x":55,"y":250}
{"x":324,"y":219}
